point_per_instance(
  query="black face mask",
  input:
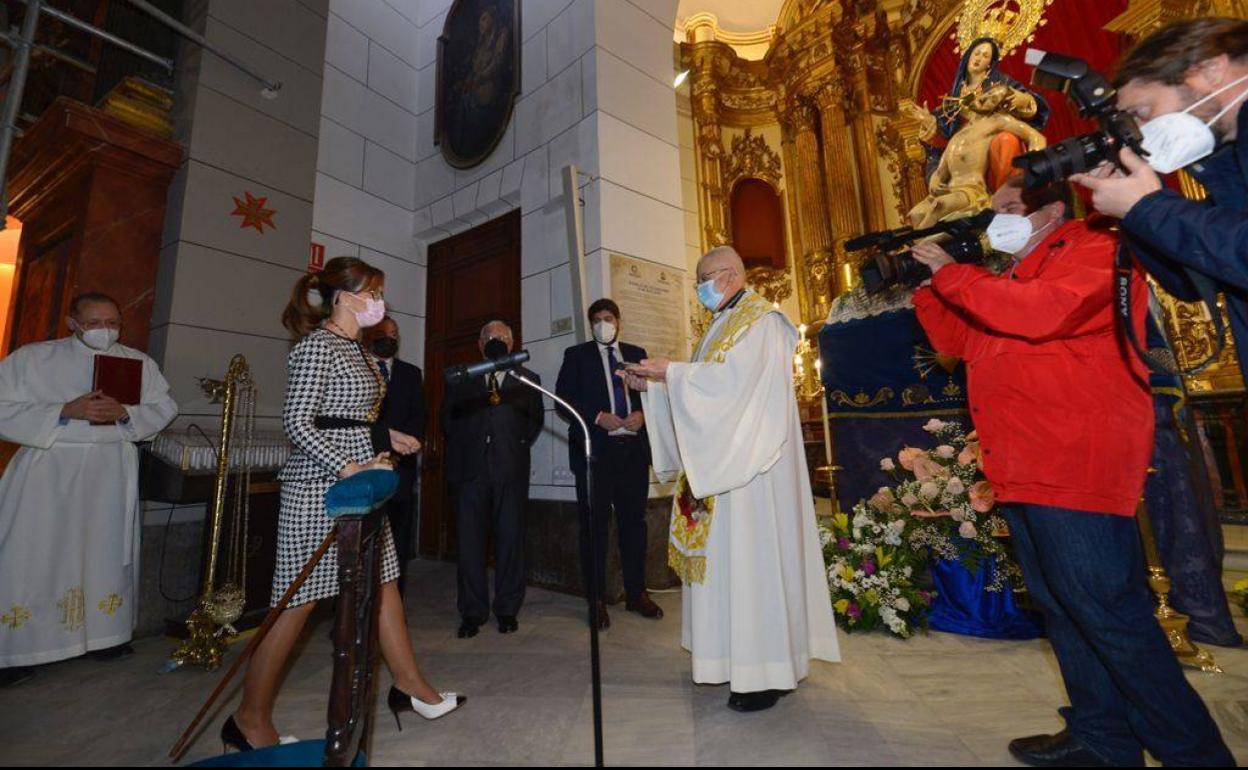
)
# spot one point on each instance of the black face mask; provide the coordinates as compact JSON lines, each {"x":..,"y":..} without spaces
{"x":385,"y":347}
{"x":495,"y":348}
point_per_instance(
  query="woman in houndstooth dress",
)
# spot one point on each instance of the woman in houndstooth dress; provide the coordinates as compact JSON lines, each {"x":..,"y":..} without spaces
{"x":334,"y":391}
{"x":329,"y":376}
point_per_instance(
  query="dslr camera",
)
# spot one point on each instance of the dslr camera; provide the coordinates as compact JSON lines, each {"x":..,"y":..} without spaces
{"x":892,"y":264}
{"x":1096,"y":99}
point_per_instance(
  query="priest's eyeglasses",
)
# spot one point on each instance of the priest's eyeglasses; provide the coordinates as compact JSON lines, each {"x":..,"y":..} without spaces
{"x":707,"y":276}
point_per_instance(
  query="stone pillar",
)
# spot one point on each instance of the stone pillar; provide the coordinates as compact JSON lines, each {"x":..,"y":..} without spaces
{"x":813,"y":208}
{"x":839,"y":161}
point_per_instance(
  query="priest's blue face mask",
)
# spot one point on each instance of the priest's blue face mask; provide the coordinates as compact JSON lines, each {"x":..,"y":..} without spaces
{"x":709,"y":295}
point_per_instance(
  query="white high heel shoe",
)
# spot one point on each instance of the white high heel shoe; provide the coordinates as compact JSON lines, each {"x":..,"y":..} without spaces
{"x":399,"y":701}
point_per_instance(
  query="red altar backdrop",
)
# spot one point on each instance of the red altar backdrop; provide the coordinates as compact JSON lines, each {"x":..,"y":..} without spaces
{"x":1074,"y":28}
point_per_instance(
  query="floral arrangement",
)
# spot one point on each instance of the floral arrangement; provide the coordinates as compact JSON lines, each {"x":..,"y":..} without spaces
{"x":947,"y":502}
{"x":871,"y":573}
{"x":940,"y":506}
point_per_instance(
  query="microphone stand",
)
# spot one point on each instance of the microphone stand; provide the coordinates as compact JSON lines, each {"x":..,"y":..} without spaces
{"x":595,"y":666}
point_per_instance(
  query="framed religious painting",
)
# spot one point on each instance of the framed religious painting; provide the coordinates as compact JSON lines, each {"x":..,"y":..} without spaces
{"x":478,"y":78}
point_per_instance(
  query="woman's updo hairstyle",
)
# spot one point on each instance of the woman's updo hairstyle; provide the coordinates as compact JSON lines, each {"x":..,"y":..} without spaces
{"x":312,"y":300}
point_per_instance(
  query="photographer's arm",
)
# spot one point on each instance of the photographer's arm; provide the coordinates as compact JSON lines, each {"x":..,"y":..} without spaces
{"x":947,"y":332}
{"x":1209,"y":239}
{"x":1069,"y":301}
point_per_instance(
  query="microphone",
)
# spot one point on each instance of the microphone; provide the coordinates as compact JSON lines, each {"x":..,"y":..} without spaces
{"x":459,"y":373}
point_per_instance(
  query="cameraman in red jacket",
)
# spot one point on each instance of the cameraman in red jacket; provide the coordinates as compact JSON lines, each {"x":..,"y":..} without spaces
{"x":1065,"y":420}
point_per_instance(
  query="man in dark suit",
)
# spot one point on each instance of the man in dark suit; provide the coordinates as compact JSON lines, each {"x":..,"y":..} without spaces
{"x":621,"y":455}
{"x":404,"y":411}
{"x":490,"y":423}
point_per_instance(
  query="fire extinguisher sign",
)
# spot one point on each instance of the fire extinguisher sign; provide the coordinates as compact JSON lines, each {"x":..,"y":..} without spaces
{"x":316,"y":257}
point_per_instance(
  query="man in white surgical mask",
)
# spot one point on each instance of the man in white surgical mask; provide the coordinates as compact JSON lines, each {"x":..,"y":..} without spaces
{"x":621,"y":480}
{"x":1187,"y":84}
{"x":69,"y":498}
{"x":1065,"y":421}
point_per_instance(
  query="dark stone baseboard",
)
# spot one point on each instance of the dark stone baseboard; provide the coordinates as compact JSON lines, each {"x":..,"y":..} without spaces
{"x":552,"y":550}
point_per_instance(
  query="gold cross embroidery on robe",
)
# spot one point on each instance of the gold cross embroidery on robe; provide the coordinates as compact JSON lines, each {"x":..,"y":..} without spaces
{"x":73,"y":609}
{"x":109,"y":604}
{"x":16,"y":617}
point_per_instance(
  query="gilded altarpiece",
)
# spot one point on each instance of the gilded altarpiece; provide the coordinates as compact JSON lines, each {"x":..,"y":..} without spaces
{"x":840,"y":79}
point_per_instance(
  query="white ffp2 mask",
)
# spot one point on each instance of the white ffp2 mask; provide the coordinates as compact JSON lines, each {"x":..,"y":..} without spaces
{"x":1179,"y":139}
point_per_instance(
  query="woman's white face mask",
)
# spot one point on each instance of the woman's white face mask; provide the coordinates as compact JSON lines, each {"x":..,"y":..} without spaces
{"x":1179,"y":139}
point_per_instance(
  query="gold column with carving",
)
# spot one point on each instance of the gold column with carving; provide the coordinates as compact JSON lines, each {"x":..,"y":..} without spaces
{"x":813,"y":206}
{"x":708,"y":144}
{"x":788,"y":152}
{"x":843,"y":208}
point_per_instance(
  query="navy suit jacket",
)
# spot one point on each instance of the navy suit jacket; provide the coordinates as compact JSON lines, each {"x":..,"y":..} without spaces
{"x":583,"y":383}
{"x":1210,"y":236}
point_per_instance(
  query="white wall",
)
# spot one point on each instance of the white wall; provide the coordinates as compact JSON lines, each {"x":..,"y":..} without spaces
{"x":366,"y":163}
{"x":220,"y":288}
{"x":596,"y":93}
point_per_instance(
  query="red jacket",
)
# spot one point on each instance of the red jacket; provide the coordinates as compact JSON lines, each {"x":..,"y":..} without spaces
{"x":1058,"y":397}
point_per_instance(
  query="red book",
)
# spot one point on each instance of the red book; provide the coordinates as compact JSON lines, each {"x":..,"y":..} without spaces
{"x":120,"y":378}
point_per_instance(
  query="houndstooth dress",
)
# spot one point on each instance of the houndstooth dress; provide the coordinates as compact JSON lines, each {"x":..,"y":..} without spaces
{"x":332,"y":376}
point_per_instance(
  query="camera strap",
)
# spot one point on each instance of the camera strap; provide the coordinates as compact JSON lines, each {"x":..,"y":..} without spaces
{"x":1163,"y":360}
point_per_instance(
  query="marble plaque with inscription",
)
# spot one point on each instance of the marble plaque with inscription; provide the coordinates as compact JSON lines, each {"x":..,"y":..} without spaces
{"x":652,"y":305}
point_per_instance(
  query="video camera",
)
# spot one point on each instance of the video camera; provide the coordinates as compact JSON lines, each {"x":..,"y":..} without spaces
{"x":891,"y":266}
{"x":1095,"y":98}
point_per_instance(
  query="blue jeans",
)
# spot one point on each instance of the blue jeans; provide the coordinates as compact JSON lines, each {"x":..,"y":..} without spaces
{"x":1127,"y":691}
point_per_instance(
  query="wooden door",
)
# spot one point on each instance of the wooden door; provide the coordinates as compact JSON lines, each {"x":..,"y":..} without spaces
{"x":474,"y":278}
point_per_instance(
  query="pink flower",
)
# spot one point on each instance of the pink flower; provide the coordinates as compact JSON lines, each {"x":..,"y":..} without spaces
{"x":967,"y":529}
{"x":969,"y":454}
{"x":982,"y":497}
{"x":909,"y":500}
{"x":945,"y":452}
{"x":925,"y":468}
{"x":907,"y":456}
{"x":883,"y":500}
{"x":853,"y":611}
{"x":868,"y":567}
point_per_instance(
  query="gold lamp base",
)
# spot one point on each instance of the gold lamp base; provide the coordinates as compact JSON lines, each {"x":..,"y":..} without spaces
{"x":206,"y":644}
{"x":1174,"y":624}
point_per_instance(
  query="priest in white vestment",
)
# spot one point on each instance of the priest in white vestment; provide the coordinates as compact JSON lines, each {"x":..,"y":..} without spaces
{"x":743,"y":534}
{"x":69,"y":498}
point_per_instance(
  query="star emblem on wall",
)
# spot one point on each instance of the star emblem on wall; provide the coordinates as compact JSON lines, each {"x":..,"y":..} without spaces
{"x":253,"y":212}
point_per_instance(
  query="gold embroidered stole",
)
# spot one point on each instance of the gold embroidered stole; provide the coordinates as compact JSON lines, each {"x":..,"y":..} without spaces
{"x":691,"y":517}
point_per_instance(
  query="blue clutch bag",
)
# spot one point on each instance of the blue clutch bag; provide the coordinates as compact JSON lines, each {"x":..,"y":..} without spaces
{"x":361,"y":493}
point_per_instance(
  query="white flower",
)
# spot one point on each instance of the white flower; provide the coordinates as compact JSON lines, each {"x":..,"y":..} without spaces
{"x":934,"y":426}
{"x":955,"y":486}
{"x":967,"y":529}
{"x":902,"y":603}
{"x":945,"y":452}
{"x":929,"y":490}
{"x":909,"y":500}
{"x":887,"y":464}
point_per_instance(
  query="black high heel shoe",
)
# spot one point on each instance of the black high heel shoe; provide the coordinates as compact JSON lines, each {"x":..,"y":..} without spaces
{"x":399,"y":701}
{"x":232,"y":737}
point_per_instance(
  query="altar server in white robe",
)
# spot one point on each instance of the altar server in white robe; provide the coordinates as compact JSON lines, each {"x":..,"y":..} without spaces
{"x":743,"y":535}
{"x":69,"y":502}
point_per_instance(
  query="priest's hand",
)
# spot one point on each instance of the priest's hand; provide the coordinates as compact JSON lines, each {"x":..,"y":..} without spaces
{"x":403,"y":443}
{"x":651,"y":369}
{"x":105,"y":409}
{"x":635,"y":421}
{"x":77,"y":409}
{"x":631,"y":380}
